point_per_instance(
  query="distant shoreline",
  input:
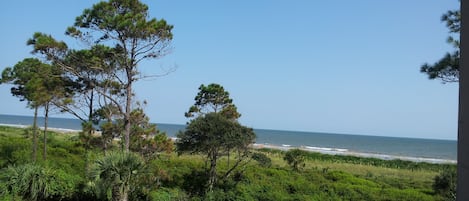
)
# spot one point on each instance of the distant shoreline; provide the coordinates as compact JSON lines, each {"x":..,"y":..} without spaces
{"x":59,"y":130}
{"x":285,"y":147}
{"x":345,"y":152}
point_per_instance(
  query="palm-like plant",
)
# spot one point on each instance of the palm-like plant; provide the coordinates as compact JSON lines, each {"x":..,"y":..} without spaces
{"x":31,"y":182}
{"x":114,"y":173}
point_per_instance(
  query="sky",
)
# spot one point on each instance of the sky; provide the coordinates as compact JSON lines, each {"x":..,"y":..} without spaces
{"x":349,"y":67}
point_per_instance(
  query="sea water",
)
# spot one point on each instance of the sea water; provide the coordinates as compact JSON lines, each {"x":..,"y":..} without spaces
{"x":360,"y":145}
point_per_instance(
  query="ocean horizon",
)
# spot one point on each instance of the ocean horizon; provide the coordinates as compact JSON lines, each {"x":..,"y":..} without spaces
{"x":415,"y":149}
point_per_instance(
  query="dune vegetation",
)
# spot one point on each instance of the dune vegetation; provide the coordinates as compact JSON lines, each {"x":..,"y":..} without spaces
{"x":73,"y":172}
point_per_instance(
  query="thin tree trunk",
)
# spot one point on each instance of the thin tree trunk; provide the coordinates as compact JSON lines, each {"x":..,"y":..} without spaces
{"x":34,"y":153}
{"x":127,"y":112}
{"x":90,"y":115}
{"x":235,"y":165}
{"x":46,"y":119}
{"x":212,"y":172}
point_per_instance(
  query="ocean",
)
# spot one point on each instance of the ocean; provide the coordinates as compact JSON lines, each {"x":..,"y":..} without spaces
{"x":427,"y":150}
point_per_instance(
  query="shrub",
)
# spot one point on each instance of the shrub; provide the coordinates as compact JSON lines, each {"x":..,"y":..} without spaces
{"x":445,"y":184}
{"x":262,"y":159}
{"x":295,"y":158}
{"x":35,"y":182}
{"x":116,"y":173}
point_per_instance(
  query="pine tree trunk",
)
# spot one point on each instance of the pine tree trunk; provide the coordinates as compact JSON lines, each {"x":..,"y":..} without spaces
{"x":127,"y":112}
{"x":212,"y":172}
{"x":46,"y":119}
{"x":90,"y":117}
{"x":34,"y":153}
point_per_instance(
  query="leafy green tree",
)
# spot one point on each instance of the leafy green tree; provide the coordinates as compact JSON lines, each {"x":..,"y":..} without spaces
{"x":90,"y":70}
{"x":447,"y":68}
{"x":48,"y":88}
{"x":115,"y":173}
{"x":213,"y":98}
{"x":133,"y":36}
{"x":19,"y":76}
{"x":213,"y":135}
{"x":40,"y":84}
{"x":124,"y":23}
{"x":295,"y":158}
{"x":214,"y":130}
{"x":145,"y":138}
{"x":110,"y":129}
{"x":92,"y":74}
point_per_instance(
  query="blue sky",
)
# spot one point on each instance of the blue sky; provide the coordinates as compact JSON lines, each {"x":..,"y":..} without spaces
{"x":347,"y":67}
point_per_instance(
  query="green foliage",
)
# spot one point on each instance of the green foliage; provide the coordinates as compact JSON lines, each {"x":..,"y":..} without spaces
{"x":295,"y":158}
{"x":213,"y":98}
{"x":145,"y":138}
{"x":445,"y":184}
{"x":400,"y":164}
{"x":136,"y":37}
{"x":172,"y":177}
{"x":166,"y":194}
{"x":35,"y":182}
{"x":40,"y":84}
{"x":214,"y":135}
{"x":447,"y":68}
{"x":45,"y":44}
{"x":115,"y":173}
{"x":262,"y":159}
{"x":124,"y":18}
{"x":34,"y":81}
{"x":14,"y":150}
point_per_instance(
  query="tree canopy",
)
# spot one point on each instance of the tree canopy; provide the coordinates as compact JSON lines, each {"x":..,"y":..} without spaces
{"x":120,"y":34}
{"x":213,"y":98}
{"x":214,"y":135}
{"x":447,"y":68}
{"x":41,"y":85}
{"x":214,"y":130}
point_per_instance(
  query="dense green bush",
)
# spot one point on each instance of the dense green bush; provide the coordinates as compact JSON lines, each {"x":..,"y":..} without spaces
{"x":36,"y":182}
{"x":445,"y":184}
{"x":295,"y":158}
{"x":166,"y":194}
{"x":14,"y":150}
{"x":262,"y":159}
